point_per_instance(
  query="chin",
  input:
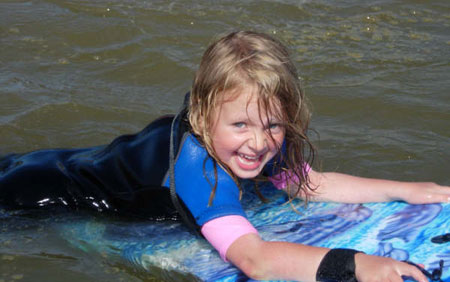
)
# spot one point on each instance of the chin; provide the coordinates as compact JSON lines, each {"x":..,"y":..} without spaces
{"x":246,"y":174}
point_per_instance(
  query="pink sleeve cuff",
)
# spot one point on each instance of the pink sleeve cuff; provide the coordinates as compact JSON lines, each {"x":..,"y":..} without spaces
{"x":223,"y":231}
{"x":281,"y":180}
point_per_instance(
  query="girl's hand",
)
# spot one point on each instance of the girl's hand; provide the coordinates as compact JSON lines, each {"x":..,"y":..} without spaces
{"x":424,"y":193}
{"x":380,"y":269}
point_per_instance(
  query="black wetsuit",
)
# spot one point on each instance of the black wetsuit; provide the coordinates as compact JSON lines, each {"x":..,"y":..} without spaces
{"x":129,"y":177}
{"x":121,"y":178}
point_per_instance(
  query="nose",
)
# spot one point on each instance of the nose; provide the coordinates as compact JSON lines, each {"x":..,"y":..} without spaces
{"x":258,"y":141}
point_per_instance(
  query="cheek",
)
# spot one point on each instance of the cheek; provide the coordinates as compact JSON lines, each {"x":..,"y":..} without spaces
{"x":278,"y":138}
{"x":223,"y":143}
{"x":228,"y":143}
{"x":227,"y":147}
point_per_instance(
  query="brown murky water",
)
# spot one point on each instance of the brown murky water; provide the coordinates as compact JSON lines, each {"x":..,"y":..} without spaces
{"x":79,"y":73}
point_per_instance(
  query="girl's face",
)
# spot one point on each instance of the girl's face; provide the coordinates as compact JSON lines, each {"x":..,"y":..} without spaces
{"x":240,"y":133}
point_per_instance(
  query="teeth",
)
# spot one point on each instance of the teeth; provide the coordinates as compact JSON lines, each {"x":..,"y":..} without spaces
{"x":248,"y":157}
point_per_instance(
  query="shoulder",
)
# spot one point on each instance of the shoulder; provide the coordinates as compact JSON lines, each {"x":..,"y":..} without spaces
{"x":194,"y":164}
{"x":196,"y":173}
{"x":191,"y":149}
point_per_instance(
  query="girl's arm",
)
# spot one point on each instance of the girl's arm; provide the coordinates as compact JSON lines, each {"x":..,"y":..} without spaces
{"x":338,"y":187}
{"x":302,"y":260}
{"x":263,"y":260}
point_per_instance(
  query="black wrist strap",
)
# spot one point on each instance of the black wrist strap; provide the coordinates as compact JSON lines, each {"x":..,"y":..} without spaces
{"x":337,"y":265}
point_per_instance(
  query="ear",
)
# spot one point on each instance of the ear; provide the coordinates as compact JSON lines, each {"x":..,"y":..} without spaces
{"x":197,"y":122}
{"x":201,"y":122}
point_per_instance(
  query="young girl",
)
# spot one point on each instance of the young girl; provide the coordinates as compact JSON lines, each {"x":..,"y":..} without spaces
{"x":245,"y":118}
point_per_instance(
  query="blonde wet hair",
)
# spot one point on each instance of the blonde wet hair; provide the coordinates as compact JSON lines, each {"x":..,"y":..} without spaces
{"x":244,"y":58}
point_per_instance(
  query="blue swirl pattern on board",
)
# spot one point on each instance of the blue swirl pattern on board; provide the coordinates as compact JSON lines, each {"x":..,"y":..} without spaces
{"x":405,"y":223}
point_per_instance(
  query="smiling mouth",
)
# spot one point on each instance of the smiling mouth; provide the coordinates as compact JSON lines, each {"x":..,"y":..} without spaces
{"x":249,"y":162}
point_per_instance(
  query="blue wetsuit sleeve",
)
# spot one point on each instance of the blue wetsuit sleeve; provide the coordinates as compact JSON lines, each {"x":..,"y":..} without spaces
{"x":192,"y":186}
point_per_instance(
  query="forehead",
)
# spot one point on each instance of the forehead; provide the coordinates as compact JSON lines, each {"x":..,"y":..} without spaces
{"x":248,"y":100}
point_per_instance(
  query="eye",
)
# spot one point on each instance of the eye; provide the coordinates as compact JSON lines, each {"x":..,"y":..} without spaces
{"x":239,"y":124}
{"x":274,"y":127}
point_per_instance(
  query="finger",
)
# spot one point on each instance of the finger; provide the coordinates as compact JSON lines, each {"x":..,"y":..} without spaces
{"x":436,"y":196}
{"x":414,"y":272}
{"x":441,"y":197}
{"x":444,"y":189}
{"x":430,"y":200}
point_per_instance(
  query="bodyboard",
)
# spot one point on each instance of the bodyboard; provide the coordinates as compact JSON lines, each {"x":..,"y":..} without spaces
{"x":397,"y":230}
